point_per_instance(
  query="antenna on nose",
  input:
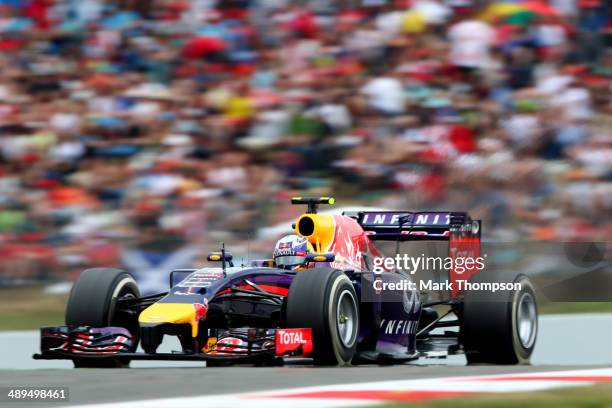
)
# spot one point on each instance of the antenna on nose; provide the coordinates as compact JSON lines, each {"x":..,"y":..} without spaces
{"x":223,"y":259}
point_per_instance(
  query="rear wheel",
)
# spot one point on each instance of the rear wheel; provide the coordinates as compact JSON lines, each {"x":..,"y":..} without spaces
{"x":92,"y":303}
{"x":500,"y":327}
{"x":325,"y":300}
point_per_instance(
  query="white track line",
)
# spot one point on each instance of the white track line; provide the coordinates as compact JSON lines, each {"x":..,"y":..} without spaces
{"x":361,"y":394}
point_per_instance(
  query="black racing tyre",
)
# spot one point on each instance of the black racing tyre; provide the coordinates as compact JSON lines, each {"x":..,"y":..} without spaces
{"x":92,"y":303}
{"x":499,"y":327}
{"x":324,"y":299}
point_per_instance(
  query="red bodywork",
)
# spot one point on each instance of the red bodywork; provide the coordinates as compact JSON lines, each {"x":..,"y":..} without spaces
{"x":464,"y":243}
{"x":350,"y":242}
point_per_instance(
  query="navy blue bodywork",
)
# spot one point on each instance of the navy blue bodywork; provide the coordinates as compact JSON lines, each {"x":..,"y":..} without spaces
{"x":388,"y":324}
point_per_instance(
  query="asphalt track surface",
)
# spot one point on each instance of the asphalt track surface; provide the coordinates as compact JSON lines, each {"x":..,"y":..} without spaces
{"x":565,"y":343}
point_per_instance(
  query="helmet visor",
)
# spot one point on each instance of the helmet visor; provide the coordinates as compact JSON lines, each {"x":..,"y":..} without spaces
{"x":289,"y":260}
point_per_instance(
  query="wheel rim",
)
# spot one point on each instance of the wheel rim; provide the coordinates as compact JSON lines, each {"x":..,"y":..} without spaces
{"x":346,"y":318}
{"x":527,"y":320}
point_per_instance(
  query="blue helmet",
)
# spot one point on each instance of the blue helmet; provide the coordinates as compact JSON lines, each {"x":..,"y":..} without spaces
{"x":290,"y":252}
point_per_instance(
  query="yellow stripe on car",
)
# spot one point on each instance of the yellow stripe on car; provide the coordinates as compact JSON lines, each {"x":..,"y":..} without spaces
{"x":171,"y":313}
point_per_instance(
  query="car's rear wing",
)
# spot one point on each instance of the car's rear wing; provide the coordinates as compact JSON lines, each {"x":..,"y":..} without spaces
{"x":414,"y":226}
{"x":457,"y":228}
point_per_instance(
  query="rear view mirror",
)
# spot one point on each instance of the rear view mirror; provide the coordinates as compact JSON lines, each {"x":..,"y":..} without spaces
{"x":218,"y":256}
{"x":320,"y":257}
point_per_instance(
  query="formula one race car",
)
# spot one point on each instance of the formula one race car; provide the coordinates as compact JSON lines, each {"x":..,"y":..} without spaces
{"x":342,"y":306}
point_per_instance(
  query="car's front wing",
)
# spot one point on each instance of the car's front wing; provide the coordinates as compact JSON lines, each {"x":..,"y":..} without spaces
{"x":244,"y":345}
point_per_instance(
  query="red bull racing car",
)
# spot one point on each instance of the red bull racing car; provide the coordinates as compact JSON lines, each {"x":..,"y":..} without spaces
{"x":341,"y":306}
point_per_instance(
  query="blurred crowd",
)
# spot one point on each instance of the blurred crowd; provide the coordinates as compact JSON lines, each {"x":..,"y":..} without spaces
{"x":142,"y":133}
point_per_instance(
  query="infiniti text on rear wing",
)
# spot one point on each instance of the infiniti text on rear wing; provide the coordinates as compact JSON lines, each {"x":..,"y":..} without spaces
{"x":457,"y":228}
{"x":407,"y":226}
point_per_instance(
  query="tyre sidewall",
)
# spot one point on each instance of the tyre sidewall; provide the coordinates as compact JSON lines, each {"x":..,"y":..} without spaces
{"x":522,"y":353}
{"x":490,"y":323}
{"x":93,"y":297}
{"x":92,"y":303}
{"x":312,"y":303}
{"x":340,"y":284}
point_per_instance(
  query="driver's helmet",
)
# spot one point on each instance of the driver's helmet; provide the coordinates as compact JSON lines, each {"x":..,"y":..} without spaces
{"x":290,"y":252}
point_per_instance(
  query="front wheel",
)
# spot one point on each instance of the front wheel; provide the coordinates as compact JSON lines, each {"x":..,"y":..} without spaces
{"x":325,"y":301}
{"x":92,"y":303}
{"x":500,"y":327}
